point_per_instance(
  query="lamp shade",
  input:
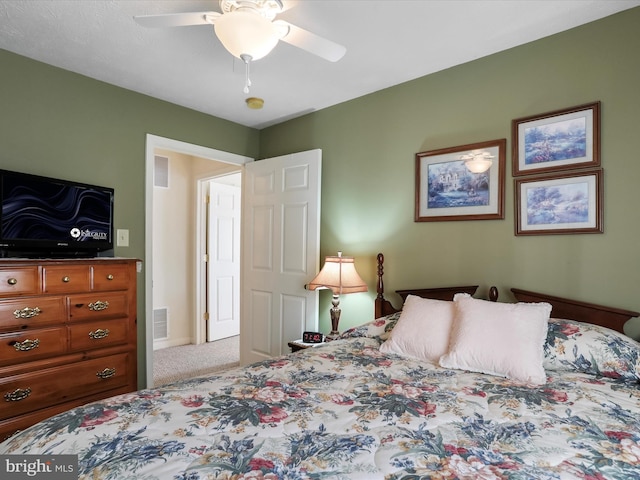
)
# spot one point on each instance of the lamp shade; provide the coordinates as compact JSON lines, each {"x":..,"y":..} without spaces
{"x":246,"y":33}
{"x":338,"y":274}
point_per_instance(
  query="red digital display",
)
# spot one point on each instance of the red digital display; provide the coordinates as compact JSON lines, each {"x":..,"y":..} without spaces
{"x":312,"y":337}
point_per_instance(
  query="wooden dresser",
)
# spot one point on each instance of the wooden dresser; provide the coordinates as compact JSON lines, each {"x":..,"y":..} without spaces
{"x":67,"y":336}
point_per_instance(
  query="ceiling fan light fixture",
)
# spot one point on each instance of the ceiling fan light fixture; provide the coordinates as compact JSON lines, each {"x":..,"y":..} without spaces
{"x":243,"y":32}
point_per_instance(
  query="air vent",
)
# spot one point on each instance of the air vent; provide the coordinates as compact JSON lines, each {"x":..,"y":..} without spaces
{"x":161,"y":172}
{"x":160,"y":324}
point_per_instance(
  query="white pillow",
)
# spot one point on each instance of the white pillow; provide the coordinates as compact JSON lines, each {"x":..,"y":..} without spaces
{"x":422,"y":330}
{"x":504,"y":339}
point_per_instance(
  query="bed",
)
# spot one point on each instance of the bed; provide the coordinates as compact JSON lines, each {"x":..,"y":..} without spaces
{"x":349,"y":409}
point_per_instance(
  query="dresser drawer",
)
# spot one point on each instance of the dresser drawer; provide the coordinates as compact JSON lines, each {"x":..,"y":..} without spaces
{"x":19,"y":281}
{"x":29,"y":345}
{"x":98,"y":305}
{"x":66,"y":278}
{"x":103,"y":333}
{"x":110,"y":277}
{"x":32,"y":391}
{"x":31,"y":312}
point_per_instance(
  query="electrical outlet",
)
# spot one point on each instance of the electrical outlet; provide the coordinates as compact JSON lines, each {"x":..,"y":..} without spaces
{"x":122,"y":238}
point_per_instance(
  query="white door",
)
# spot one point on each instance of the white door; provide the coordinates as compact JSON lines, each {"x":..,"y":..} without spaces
{"x":281,"y":247}
{"x":223,"y":255}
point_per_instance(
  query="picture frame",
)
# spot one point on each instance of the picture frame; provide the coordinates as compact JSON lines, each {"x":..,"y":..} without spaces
{"x":563,"y":203}
{"x":558,"y":140}
{"x":446,"y":190}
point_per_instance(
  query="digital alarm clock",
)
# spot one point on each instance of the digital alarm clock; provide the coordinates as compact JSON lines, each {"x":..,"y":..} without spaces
{"x":312,"y":337}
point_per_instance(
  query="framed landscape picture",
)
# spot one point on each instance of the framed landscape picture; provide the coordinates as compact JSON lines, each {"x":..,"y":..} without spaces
{"x":560,"y":140}
{"x":569,"y":202}
{"x":447,"y":190}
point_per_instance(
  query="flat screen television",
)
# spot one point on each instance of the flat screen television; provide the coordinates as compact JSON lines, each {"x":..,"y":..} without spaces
{"x":47,"y":217}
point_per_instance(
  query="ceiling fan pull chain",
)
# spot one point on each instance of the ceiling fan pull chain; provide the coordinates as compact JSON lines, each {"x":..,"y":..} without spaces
{"x":247,"y":83}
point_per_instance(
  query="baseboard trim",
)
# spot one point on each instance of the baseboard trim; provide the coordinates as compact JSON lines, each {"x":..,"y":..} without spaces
{"x":159,"y":344}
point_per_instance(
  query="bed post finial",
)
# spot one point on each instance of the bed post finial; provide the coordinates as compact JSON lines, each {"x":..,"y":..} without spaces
{"x":381,"y":306}
{"x":380,"y":285}
{"x":493,"y":294}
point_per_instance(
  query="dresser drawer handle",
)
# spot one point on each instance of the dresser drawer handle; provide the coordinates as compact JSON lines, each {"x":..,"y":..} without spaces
{"x":12,"y":281}
{"x":27,"y":312}
{"x":66,"y":279}
{"x":109,"y":277}
{"x":26,"y":345}
{"x":99,"y":333}
{"x":98,"y":305}
{"x":17,"y":395}
{"x":106,"y":373}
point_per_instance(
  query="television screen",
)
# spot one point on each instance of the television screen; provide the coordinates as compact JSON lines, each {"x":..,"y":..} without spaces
{"x":40,"y":213}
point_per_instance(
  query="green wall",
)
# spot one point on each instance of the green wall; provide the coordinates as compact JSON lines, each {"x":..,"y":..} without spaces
{"x":57,"y":123}
{"x":53,"y":122}
{"x":369,"y":146}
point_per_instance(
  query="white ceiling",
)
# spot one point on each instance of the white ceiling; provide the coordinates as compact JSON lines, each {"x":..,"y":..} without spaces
{"x":388,"y":42}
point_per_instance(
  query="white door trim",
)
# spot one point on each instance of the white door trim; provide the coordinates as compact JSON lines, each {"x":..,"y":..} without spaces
{"x":154,"y":142}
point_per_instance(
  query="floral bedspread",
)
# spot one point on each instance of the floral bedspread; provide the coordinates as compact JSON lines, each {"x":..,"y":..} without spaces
{"x":344,"y":410}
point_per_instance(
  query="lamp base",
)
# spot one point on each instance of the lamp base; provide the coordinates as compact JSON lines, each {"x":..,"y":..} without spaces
{"x":333,"y":335}
{"x":335,"y":317}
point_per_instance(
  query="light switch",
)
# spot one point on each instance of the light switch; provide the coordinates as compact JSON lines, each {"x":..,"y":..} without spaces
{"x":122,"y":238}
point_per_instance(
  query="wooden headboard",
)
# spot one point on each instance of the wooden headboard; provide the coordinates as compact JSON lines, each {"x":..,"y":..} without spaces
{"x":609,"y":317}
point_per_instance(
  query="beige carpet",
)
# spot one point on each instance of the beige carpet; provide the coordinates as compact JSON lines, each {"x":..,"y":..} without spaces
{"x":178,"y":363}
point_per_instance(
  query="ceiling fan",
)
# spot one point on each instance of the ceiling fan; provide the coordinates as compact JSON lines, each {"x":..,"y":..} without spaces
{"x":249,"y":31}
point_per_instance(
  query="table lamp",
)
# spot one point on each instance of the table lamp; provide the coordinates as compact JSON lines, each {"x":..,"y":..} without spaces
{"x":338,"y":274}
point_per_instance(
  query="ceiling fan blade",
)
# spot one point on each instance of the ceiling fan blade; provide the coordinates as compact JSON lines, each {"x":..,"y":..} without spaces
{"x":311,"y":42}
{"x":177,"y":19}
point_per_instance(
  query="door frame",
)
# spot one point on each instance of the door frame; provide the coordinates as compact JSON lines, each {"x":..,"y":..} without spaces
{"x":153,"y":143}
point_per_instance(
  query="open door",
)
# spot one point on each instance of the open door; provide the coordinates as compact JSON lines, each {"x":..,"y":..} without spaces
{"x":281,"y":248}
{"x":223,"y":254}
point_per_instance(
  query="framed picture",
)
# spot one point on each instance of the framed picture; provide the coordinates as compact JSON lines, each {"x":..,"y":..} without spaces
{"x":560,"y":140}
{"x":446,"y":188}
{"x":568,"y":202}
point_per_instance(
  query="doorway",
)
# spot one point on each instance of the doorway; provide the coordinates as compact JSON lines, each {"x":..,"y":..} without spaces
{"x":190,"y":287}
{"x":290,"y":186}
